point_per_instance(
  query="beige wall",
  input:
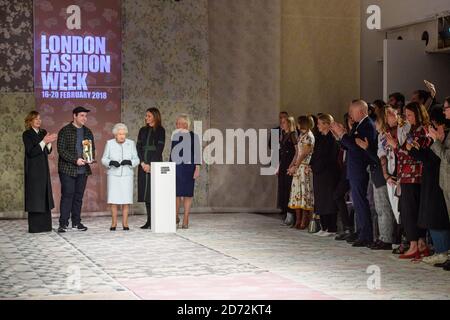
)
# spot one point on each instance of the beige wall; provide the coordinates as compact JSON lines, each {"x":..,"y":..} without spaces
{"x":320,"y":59}
{"x":265,"y":55}
{"x":393,"y":14}
{"x":165,"y":65}
{"x":244,"y":54}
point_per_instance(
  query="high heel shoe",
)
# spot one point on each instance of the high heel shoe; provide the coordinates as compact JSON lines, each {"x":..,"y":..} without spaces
{"x":185,"y":226}
{"x":147,"y":225}
{"x":298,"y":220}
{"x":415,"y":255}
{"x":126,"y":228}
{"x":112,"y":229}
{"x":305,"y":221}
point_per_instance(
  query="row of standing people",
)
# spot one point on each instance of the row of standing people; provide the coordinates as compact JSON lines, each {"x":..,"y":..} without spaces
{"x":312,"y":174}
{"x":403,"y":155}
{"x":120,"y":157}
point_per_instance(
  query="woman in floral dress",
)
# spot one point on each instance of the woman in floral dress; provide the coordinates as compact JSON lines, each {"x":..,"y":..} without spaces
{"x":302,"y":192}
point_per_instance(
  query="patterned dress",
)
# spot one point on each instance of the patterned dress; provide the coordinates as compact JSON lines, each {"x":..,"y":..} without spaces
{"x":302,"y":191}
{"x":409,"y":170}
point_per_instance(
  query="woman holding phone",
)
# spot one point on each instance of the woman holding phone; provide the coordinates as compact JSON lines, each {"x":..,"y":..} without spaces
{"x":409,"y":171}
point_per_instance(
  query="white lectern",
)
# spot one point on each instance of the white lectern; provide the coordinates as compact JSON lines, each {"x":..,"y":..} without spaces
{"x":163,"y":197}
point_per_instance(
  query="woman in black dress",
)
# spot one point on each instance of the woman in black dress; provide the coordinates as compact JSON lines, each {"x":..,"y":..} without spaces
{"x":187,"y":165}
{"x":38,"y":187}
{"x":433,"y":211}
{"x":343,"y":188}
{"x":288,"y":141}
{"x":326,"y":173}
{"x":150,"y":146}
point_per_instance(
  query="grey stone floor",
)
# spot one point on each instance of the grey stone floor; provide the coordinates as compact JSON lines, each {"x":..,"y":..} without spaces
{"x":221,"y":256}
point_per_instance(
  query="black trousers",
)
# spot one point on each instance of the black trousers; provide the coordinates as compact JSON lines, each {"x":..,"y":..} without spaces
{"x":329,"y":222}
{"x":148,"y":208}
{"x":362,"y":208}
{"x":39,"y":222}
{"x":284,"y":191}
{"x":340,"y":192}
{"x":72,"y":191}
{"x":409,"y":211}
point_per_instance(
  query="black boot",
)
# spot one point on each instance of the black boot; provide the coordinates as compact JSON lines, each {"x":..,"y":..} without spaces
{"x":148,"y":224}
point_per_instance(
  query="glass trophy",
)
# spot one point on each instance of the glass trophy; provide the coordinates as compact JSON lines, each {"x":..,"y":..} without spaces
{"x":87,"y":151}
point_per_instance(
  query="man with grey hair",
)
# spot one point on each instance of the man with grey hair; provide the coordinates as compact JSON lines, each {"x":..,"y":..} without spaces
{"x":357,"y":163}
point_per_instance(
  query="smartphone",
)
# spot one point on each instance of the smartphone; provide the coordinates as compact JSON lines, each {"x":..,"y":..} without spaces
{"x":409,"y":138}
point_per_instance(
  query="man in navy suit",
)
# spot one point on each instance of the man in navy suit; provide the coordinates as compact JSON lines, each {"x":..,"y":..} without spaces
{"x":357,"y":163}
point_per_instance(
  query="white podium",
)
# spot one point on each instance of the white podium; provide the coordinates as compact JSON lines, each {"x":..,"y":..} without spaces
{"x":163,"y":197}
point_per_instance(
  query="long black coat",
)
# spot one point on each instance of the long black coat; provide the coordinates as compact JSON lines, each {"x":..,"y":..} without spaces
{"x":286,"y":155}
{"x":156,"y":137}
{"x":38,"y":187}
{"x":326,"y":173}
{"x":433,"y":209}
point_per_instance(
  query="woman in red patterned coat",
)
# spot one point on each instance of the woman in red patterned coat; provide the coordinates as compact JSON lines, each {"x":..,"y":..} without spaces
{"x":409,"y":172}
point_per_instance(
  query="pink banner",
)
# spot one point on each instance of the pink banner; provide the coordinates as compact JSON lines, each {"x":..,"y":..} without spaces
{"x":77,"y":62}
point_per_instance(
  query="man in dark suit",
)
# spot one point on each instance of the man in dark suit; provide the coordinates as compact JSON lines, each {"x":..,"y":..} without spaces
{"x":357,"y":164}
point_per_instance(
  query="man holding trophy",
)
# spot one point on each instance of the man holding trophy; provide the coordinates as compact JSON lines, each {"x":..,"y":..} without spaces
{"x":76,"y":151}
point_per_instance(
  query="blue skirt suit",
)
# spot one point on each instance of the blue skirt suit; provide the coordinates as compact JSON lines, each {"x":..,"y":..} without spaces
{"x":185,"y":164}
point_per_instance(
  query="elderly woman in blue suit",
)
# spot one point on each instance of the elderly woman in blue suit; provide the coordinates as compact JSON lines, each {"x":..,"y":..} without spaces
{"x":120,"y":158}
{"x":185,"y":153}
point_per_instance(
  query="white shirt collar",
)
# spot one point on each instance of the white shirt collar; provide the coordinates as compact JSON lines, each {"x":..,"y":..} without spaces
{"x":178,"y":131}
{"x":362,"y":120}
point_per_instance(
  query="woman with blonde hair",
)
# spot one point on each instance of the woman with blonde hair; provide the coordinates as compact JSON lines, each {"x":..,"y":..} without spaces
{"x":38,"y":187}
{"x":120,"y":158}
{"x":302,"y":193}
{"x":288,"y":142}
{"x":326,"y":174}
{"x":185,"y":152}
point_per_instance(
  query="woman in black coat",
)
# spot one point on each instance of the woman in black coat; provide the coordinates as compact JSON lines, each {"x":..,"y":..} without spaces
{"x":288,"y":143}
{"x":433,"y":210}
{"x":150,"y":146}
{"x":326,"y":173}
{"x":38,"y":187}
{"x":343,"y":188}
{"x":433,"y":214}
